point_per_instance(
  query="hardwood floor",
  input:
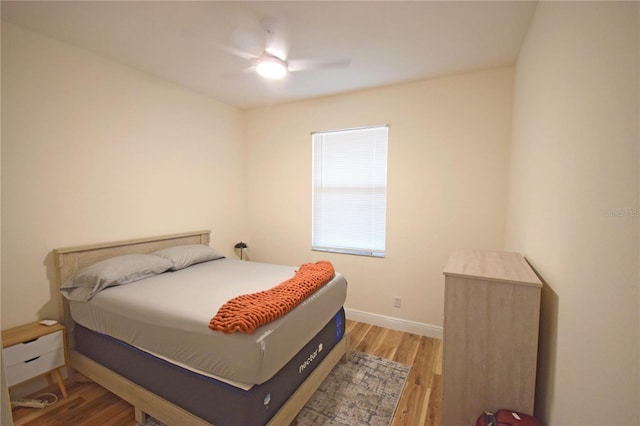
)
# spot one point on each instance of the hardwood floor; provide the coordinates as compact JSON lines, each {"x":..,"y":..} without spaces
{"x":420,"y":401}
{"x":89,"y":404}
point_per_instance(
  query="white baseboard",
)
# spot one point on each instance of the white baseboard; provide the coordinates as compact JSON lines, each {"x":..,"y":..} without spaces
{"x":399,"y":324}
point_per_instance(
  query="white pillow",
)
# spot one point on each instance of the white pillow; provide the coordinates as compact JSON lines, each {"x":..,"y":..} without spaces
{"x":114,"y":271}
{"x":187,"y":255}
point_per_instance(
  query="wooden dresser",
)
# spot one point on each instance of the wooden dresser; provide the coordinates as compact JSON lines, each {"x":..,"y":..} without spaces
{"x":491,"y":313}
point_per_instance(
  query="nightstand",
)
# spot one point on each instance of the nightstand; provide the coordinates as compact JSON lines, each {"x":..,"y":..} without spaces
{"x":33,"y":350}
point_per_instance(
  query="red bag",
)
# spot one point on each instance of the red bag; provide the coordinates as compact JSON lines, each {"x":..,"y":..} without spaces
{"x":506,"y":418}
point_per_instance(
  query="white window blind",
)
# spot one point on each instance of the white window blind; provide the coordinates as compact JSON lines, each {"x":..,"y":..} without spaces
{"x":350,"y":191}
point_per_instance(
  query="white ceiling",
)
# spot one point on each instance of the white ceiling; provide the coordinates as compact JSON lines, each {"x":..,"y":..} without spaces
{"x":389,"y":42}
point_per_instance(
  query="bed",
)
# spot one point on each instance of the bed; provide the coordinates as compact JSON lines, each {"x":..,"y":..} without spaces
{"x":266,"y":379}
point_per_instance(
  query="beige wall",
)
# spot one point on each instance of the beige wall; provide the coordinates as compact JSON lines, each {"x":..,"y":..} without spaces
{"x":447,"y":174}
{"x":95,"y":151}
{"x":5,"y":406}
{"x":573,"y":205}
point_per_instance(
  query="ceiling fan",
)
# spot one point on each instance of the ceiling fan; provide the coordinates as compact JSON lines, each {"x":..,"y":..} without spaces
{"x":273,"y":62}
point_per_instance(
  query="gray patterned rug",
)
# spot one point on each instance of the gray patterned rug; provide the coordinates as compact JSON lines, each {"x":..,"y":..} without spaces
{"x":363,"y":391}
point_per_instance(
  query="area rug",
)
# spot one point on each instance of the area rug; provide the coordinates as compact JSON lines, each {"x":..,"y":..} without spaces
{"x":363,"y":391}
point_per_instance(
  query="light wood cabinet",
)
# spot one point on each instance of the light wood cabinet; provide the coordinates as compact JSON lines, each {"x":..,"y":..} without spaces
{"x":33,"y":350}
{"x":492,"y":309}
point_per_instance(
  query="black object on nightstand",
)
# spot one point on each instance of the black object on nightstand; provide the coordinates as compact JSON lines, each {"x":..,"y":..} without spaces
{"x":241,"y":245}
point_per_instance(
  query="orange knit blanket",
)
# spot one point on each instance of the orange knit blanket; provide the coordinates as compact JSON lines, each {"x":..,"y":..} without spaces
{"x":247,"y":312}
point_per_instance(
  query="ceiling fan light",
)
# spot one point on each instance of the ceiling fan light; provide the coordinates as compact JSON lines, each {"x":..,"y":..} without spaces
{"x":271,"y":68}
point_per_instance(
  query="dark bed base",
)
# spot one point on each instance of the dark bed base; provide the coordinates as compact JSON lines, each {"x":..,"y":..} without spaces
{"x":212,"y":400}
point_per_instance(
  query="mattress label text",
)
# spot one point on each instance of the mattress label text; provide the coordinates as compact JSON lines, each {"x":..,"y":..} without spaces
{"x":309,"y":360}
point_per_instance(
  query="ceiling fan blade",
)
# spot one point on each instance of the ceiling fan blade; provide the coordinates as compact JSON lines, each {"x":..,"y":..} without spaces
{"x":239,"y":74}
{"x":276,"y":42}
{"x":240,"y":53}
{"x":306,"y":64}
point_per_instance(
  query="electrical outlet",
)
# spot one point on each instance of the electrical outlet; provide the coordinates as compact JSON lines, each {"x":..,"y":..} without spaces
{"x":397,"y":301}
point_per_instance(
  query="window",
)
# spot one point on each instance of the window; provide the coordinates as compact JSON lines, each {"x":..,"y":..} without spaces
{"x":350,"y":191}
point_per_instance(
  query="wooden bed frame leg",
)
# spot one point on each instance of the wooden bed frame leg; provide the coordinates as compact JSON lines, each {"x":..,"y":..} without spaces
{"x":140,"y":415}
{"x":347,"y":351}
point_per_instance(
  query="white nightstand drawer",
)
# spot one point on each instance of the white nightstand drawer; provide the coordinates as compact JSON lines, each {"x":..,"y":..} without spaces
{"x":21,"y":352}
{"x":42,"y":364}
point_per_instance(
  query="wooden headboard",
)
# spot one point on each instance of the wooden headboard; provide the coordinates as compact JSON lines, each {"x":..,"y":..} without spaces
{"x":70,"y":260}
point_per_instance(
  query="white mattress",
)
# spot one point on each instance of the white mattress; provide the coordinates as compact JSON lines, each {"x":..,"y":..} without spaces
{"x":168,"y":315}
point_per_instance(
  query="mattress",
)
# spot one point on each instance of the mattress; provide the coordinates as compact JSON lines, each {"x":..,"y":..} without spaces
{"x":168,"y":315}
{"x":216,"y":402}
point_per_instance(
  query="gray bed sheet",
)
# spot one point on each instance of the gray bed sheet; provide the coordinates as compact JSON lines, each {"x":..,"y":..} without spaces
{"x":168,"y":315}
